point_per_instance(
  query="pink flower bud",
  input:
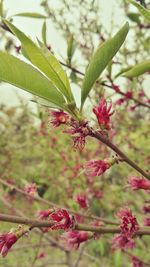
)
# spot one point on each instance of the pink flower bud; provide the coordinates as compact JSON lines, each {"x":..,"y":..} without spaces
{"x":122,"y":242}
{"x":73,"y":239}
{"x":129,"y":224}
{"x":81,"y":199}
{"x":6,"y":242}
{"x":103,"y":113}
{"x":137,"y":183}
{"x":58,"y":117}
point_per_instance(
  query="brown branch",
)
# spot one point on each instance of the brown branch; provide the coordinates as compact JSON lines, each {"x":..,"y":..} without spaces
{"x":80,"y":227}
{"x":125,"y":158}
{"x":49,"y":203}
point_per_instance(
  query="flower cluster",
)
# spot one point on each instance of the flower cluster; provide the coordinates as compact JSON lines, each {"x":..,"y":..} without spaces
{"x":103,"y":113}
{"x":58,"y":118}
{"x":137,"y":183}
{"x":79,"y":132}
{"x":6,"y":242}
{"x":122,"y":242}
{"x":81,"y":199}
{"x":136,"y":262}
{"x":147,"y":221}
{"x":98,"y":167}
{"x":129,"y":224}
{"x":60,"y":219}
{"x":73,"y":239}
{"x":129,"y":227}
{"x":10,"y":238}
{"x":31,"y":189}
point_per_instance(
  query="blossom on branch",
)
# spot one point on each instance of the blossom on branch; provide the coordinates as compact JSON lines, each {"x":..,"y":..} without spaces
{"x":98,"y":167}
{"x":81,"y":199}
{"x":58,"y":117}
{"x":122,"y":242}
{"x":103,"y":113}
{"x":78,"y":131}
{"x":61,"y":220}
{"x":73,"y":239}
{"x":147,"y":221}
{"x":44,"y":214}
{"x":129,"y":224}
{"x":10,"y":238}
{"x":137,"y":183}
{"x":136,"y":262}
{"x":6,"y":242}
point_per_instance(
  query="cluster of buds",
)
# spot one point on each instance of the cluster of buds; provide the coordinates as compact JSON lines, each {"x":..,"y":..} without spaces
{"x":129,"y":227}
{"x":60,"y":218}
{"x":7,"y":240}
{"x":103,"y":113}
{"x":98,"y":167}
{"x":81,"y":199}
{"x":78,"y":130}
{"x":137,"y":183}
{"x":72,"y":239}
{"x":31,"y":190}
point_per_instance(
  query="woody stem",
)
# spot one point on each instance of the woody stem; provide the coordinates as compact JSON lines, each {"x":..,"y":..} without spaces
{"x":80,"y":227}
{"x":125,"y":158}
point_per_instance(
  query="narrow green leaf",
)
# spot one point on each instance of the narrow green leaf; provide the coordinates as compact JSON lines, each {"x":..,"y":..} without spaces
{"x":45,"y":61}
{"x":70,"y":47}
{"x":100,"y":60}
{"x":138,"y":69}
{"x":122,"y":71}
{"x":45,"y":103}
{"x":134,"y":17}
{"x":30,"y":15}
{"x":44,"y":32}
{"x":1,"y":8}
{"x":26,"y":77}
{"x":143,"y":11}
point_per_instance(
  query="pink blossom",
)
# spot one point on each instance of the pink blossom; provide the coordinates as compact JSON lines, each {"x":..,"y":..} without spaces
{"x":31,"y":189}
{"x":73,"y":239}
{"x":103,"y":113}
{"x":116,"y":88}
{"x":147,"y":221}
{"x":120,"y":101}
{"x":128,"y":94}
{"x":79,"y":132}
{"x":6,"y":242}
{"x":44,"y":214}
{"x":96,"y":167}
{"x":136,"y":262}
{"x":146,"y":209}
{"x":137,"y":183}
{"x":61,"y":220}
{"x":129,"y":224}
{"x":41,"y":255}
{"x":58,"y":117}
{"x":122,"y":242}
{"x":81,"y":199}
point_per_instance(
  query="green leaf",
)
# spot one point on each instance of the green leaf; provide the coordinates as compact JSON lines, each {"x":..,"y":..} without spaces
{"x":30,"y":15}
{"x":138,"y":69}
{"x":143,"y":11}
{"x":45,"y":61}
{"x":71,"y":47}
{"x":122,"y":71}
{"x":45,"y":103}
{"x":1,"y":8}
{"x":100,"y":60}
{"x":26,"y":77}
{"x":44,"y":31}
{"x":134,"y":17}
